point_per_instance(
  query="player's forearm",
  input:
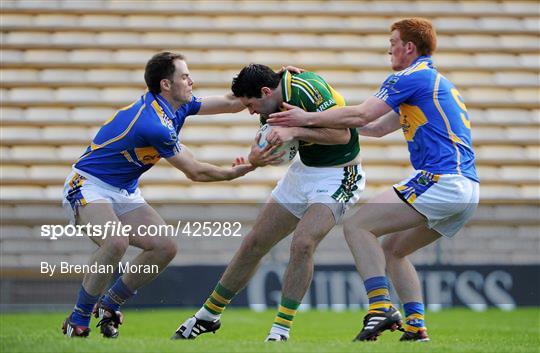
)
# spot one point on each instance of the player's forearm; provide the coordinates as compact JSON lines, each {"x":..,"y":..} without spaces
{"x":322,"y":136}
{"x":235,"y":104}
{"x":382,"y":126}
{"x":343,"y":117}
{"x":207,"y":173}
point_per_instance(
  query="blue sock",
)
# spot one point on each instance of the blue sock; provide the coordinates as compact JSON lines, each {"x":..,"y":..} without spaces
{"x":414,"y":313}
{"x":117,"y":295}
{"x":83,"y":309}
{"x":378,"y":294}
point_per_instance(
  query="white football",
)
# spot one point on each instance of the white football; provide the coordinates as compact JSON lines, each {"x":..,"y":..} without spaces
{"x":291,"y":147}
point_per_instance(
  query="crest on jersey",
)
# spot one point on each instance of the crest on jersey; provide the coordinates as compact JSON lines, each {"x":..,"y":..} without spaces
{"x":173,"y":139}
{"x":393,"y":80}
{"x":318,"y":98}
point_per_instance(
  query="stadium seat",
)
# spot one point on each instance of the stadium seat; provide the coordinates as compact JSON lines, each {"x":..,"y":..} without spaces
{"x":111,"y":76}
{"x":19,"y":75}
{"x":529,"y":60}
{"x":496,"y":23}
{"x":75,"y":94}
{"x":69,"y":38}
{"x":17,"y":20}
{"x":46,"y":114}
{"x":90,"y":56}
{"x":519,"y":42}
{"x":465,"y":24}
{"x":67,"y":152}
{"x":96,"y":116}
{"x":521,"y":174}
{"x":103,"y":20}
{"x":512,"y":116}
{"x":28,"y":153}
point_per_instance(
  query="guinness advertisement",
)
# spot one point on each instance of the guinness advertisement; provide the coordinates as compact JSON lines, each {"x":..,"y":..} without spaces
{"x":339,"y":287}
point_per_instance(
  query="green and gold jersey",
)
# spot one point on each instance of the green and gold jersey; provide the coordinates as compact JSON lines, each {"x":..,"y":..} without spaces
{"x":310,"y":92}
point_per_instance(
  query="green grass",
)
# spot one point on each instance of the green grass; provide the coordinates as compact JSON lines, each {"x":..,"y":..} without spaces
{"x":455,"y":330}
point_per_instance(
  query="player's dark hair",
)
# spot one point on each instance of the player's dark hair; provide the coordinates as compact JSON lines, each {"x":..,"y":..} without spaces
{"x":159,"y":67}
{"x":252,"y":78}
{"x":419,"y":31}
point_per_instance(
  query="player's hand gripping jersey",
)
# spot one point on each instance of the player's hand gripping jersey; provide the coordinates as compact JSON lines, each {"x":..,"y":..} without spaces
{"x":134,"y":139}
{"x":310,"y":92}
{"x":433,"y":118}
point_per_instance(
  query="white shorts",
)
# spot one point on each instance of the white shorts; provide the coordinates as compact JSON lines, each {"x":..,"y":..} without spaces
{"x":80,"y":190}
{"x":448,"y":201}
{"x":336,"y":187}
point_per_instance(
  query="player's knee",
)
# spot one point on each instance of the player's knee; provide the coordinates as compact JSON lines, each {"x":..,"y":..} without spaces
{"x":167,"y":249}
{"x":349,"y":228}
{"x":302,"y":247}
{"x":117,"y":246}
{"x":355,"y":228}
{"x":252,"y":246}
{"x":392,"y":251}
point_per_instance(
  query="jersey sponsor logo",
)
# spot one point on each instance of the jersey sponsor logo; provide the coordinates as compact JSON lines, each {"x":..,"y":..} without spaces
{"x":147,"y":155}
{"x":411,"y":118}
{"x":166,"y":121}
{"x":326,"y":105}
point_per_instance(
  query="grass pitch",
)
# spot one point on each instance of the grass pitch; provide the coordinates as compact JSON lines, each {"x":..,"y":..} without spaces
{"x":452,"y":330}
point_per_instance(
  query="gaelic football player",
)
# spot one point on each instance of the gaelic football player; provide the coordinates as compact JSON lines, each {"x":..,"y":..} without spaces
{"x":436,"y":200}
{"x":309,"y":200}
{"x":103,"y":186}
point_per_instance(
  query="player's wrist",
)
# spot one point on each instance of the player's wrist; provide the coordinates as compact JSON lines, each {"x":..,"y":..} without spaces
{"x":295,"y":133}
{"x":311,"y":119}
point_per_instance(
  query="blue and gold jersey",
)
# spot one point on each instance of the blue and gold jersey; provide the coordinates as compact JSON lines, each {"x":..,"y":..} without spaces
{"x":433,"y":118}
{"x":134,"y":139}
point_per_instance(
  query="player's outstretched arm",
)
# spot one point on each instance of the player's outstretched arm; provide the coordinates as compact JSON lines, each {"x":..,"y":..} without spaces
{"x":318,"y":135}
{"x":198,"y":171}
{"x":381,"y":127}
{"x":343,"y":117}
{"x":227,"y":103}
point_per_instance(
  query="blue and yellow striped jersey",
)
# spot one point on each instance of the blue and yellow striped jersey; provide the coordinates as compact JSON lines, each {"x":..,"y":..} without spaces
{"x":433,"y":118}
{"x":134,"y":139}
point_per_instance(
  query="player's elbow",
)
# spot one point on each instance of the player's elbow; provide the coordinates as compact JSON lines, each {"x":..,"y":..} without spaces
{"x":194,"y":175}
{"x":364,"y":115}
{"x":343,"y":137}
{"x":377,"y":132}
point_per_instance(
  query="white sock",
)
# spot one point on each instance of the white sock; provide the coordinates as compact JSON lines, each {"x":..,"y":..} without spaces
{"x":280,"y":330}
{"x":205,"y":315}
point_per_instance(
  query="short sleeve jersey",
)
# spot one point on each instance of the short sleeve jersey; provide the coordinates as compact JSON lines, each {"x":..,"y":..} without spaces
{"x":134,"y":139}
{"x":433,"y":118}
